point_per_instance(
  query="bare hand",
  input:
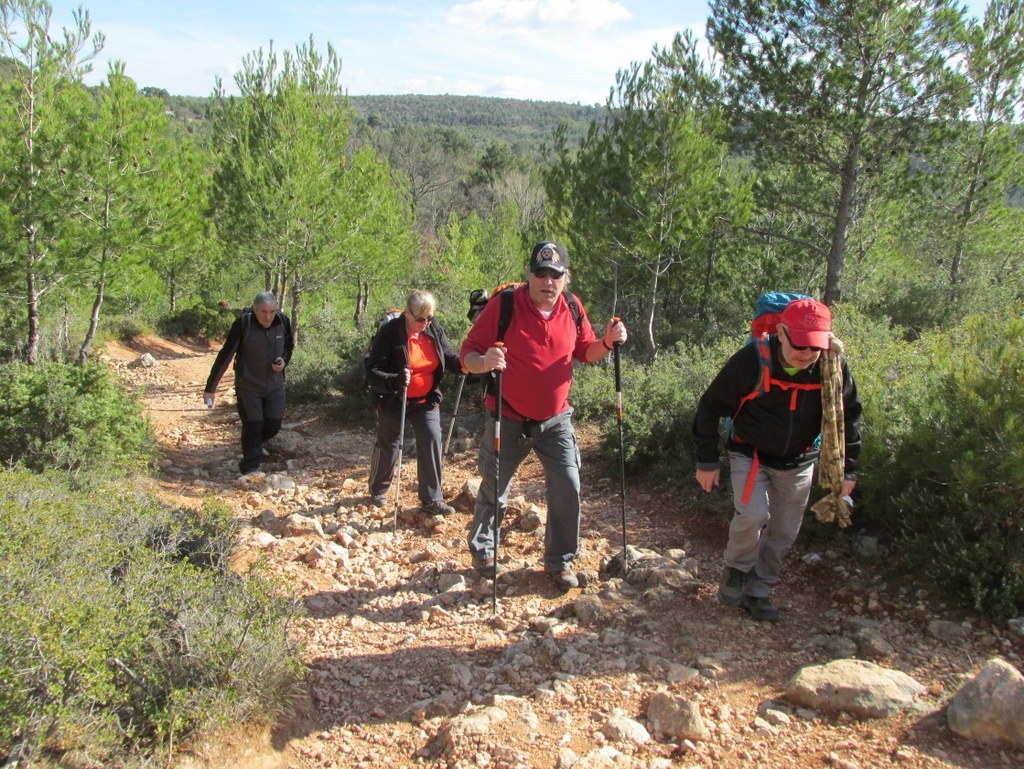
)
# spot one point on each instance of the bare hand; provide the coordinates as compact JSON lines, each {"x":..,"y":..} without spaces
{"x":614,"y":332}
{"x":407,"y":374}
{"x":708,"y":479}
{"x":848,"y":486}
{"x":494,"y":359}
{"x":277,"y":366}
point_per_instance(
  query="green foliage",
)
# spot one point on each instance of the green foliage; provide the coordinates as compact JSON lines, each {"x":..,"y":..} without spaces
{"x":121,"y":628}
{"x":948,"y":478}
{"x":328,"y":367}
{"x":198,"y":321}
{"x":658,"y":402}
{"x":58,"y":416}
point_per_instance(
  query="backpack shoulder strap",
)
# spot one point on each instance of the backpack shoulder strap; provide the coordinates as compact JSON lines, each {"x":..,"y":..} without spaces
{"x":505,"y":318}
{"x":577,"y":313}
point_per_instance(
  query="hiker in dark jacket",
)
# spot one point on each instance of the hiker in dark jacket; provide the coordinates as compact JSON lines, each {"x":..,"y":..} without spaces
{"x":408,"y":358}
{"x":771,"y":448}
{"x":260,"y":341}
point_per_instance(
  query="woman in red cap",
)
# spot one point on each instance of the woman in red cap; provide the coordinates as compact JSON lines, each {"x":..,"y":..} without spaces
{"x":772,"y":392}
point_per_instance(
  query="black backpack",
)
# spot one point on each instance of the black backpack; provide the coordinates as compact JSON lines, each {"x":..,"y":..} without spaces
{"x":478,"y":300}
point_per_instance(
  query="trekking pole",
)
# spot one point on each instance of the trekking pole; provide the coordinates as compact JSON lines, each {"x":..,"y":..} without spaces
{"x":455,"y":413}
{"x":495,"y":528}
{"x":401,"y":446}
{"x":622,"y":447}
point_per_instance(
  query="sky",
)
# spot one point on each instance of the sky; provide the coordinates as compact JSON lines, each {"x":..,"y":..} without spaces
{"x":544,"y":50}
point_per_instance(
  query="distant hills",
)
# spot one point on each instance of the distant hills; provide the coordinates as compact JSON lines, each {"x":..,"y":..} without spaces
{"x":524,"y":124}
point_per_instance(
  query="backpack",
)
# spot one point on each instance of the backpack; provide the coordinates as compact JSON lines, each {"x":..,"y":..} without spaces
{"x":247,"y":322}
{"x":384,"y":318}
{"x":479,"y":298}
{"x":246,"y":318}
{"x":767,"y":315}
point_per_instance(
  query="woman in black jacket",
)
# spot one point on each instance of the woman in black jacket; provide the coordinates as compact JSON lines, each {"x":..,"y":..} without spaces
{"x":408,"y":357}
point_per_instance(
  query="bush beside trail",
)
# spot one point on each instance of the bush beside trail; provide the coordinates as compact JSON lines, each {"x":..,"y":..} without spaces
{"x":121,"y":627}
{"x":66,"y":417}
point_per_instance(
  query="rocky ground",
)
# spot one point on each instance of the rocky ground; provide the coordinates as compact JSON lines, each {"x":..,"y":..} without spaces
{"x":409,"y":665}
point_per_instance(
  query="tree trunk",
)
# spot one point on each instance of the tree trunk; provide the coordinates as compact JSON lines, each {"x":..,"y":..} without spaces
{"x":844,"y":213}
{"x":94,"y":319}
{"x":652,"y":301}
{"x":32,"y":343}
{"x":294,"y":314}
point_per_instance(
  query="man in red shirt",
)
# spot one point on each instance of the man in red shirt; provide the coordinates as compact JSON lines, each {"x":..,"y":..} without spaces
{"x":541,"y":342}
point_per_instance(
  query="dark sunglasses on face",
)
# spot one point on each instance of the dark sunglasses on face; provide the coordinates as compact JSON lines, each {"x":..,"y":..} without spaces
{"x":545,"y":272}
{"x":418,"y":319}
{"x":799,"y":348}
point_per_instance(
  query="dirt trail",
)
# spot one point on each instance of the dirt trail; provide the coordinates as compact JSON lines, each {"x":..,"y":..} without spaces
{"x":407,"y":663}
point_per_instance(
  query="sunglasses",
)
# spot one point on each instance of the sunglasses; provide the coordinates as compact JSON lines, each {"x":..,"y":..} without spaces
{"x":797,"y":347}
{"x":547,"y":272}
{"x":418,"y":319}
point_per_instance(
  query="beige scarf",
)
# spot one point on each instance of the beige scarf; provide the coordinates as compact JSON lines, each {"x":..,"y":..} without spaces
{"x":832,"y":461}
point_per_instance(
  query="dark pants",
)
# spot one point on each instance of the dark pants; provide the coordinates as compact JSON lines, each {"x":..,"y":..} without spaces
{"x":554,"y":441}
{"x":261,"y":420}
{"x":426,"y":424}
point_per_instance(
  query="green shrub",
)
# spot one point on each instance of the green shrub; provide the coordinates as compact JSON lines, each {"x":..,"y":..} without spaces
{"x":121,"y":628}
{"x":199,"y":321}
{"x":659,"y":401}
{"x":66,"y":417}
{"x":950,"y":491}
{"x":327,"y":367}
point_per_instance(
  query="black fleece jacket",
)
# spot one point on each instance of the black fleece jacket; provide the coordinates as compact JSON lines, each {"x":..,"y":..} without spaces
{"x":254,"y":349}
{"x":783,"y":437}
{"x":389,"y":355}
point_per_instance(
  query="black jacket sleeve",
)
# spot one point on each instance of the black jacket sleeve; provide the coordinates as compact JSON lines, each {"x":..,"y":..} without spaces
{"x":722,"y":399}
{"x":387,"y":358}
{"x":223,"y":359}
{"x":852,"y":409}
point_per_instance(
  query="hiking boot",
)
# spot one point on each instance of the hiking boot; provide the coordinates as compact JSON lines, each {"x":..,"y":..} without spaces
{"x":730,"y":589}
{"x":437,"y":507}
{"x":760,"y":608}
{"x":379,"y":500}
{"x":564,"y":579}
{"x":484,"y":566}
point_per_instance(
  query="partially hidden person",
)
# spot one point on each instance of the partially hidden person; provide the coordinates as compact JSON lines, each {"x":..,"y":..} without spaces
{"x":261,"y":343}
{"x":771,"y":391}
{"x":548,"y":330}
{"x":408,"y":359}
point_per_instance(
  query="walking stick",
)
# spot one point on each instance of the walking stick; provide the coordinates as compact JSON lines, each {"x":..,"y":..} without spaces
{"x":455,"y":413}
{"x":495,"y":528}
{"x":401,"y":445}
{"x":622,"y":448}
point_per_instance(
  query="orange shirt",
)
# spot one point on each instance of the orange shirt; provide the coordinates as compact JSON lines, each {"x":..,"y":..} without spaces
{"x":423,"y":360}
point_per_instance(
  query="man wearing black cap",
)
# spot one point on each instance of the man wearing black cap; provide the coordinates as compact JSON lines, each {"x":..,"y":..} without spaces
{"x":541,"y":342}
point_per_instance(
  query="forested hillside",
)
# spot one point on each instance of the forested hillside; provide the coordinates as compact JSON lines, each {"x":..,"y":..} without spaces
{"x":867,"y":153}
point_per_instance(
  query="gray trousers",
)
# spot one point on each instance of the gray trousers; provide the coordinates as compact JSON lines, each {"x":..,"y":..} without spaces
{"x":763,"y":530}
{"x":556,"y":447}
{"x":426,"y":424}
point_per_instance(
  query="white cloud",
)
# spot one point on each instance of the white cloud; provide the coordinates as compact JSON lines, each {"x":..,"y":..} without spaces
{"x":522,"y":17}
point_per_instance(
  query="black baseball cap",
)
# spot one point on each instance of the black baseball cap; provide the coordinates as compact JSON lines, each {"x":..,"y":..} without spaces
{"x":550,"y":255}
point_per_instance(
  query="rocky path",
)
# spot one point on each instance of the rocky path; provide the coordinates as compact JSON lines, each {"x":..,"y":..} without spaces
{"x":409,"y":666}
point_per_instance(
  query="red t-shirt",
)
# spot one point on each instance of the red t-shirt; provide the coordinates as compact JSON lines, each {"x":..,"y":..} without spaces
{"x":539,"y":353}
{"x":423,"y":361}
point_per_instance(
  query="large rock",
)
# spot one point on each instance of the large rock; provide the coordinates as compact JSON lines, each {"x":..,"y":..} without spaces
{"x":676,"y":717}
{"x":854,"y":686}
{"x":621,"y":728}
{"x":990,"y":707}
{"x":296,"y":525}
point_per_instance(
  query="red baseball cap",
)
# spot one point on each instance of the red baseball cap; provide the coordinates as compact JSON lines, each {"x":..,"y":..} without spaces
{"x":807,"y":323}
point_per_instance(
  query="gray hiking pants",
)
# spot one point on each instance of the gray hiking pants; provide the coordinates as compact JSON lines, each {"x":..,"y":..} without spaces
{"x":426,"y":424}
{"x":763,"y":530}
{"x":555,"y":443}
